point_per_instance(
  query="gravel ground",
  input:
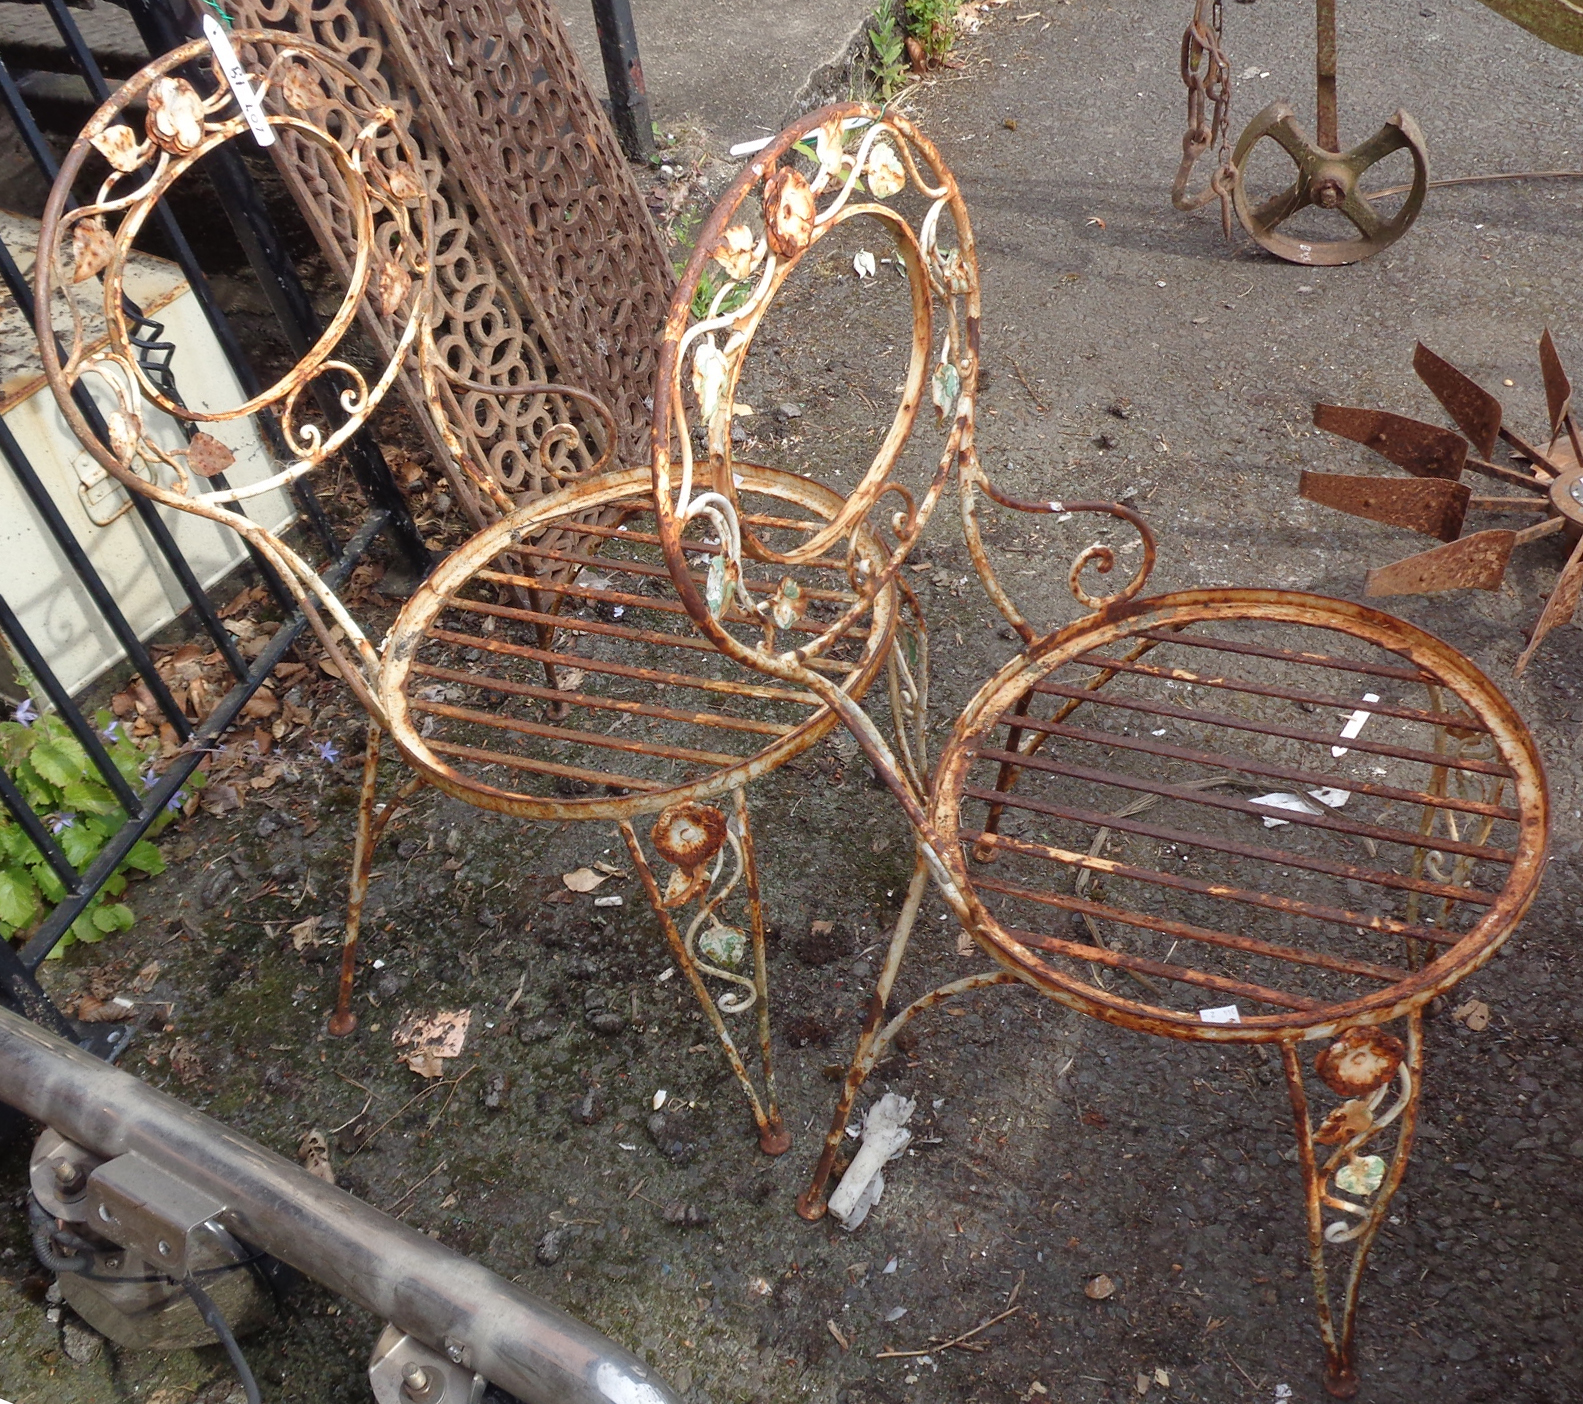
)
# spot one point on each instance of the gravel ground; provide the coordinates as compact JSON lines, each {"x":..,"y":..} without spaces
{"x":1049,"y":1148}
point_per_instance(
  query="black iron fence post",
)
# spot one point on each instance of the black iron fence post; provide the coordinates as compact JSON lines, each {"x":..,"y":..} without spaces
{"x":629,"y":102}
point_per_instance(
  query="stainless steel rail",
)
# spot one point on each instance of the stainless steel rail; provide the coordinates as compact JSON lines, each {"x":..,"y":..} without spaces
{"x":439,"y":1297}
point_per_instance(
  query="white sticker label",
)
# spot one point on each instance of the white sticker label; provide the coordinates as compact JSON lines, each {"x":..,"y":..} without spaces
{"x":1354,"y":726}
{"x":241,"y":84}
{"x":1226,"y":1014}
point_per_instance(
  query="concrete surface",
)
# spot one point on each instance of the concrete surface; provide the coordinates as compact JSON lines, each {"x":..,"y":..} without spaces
{"x":734,"y":68}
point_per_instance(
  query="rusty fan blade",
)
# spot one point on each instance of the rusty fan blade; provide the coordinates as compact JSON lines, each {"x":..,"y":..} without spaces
{"x":1476,"y":562}
{"x":1475,"y":411}
{"x":1432,"y":506}
{"x":1558,"y":386}
{"x":1420,"y":448}
{"x":1559,"y":608}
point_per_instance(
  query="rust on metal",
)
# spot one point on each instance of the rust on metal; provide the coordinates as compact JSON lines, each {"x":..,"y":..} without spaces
{"x":1422,"y":449}
{"x":1472,"y":408}
{"x":1476,"y":562}
{"x":550,"y":268}
{"x":1432,"y":506}
{"x":1479,"y":561}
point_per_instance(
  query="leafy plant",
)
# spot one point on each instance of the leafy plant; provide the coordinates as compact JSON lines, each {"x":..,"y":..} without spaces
{"x":933,"y":24}
{"x":890,"y":52}
{"x":710,"y":283}
{"x":52,"y":771}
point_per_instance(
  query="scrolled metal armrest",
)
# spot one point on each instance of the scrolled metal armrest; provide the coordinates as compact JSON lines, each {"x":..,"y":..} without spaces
{"x":1100,"y":556}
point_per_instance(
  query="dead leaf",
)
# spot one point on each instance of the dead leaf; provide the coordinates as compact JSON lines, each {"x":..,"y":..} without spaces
{"x":964,"y":943}
{"x":145,"y":978}
{"x":261,"y":704}
{"x":1141,"y":1384}
{"x":91,"y":249}
{"x":840,"y":1340}
{"x":206,"y":455}
{"x":583,"y":879}
{"x":1098,"y":1289}
{"x":327,"y":666}
{"x":608,"y":869}
{"x":220,"y":799}
{"x":120,"y":147}
{"x":1474,"y":1015}
{"x":314,"y":1153}
{"x":429,"y":1040}
{"x":105,"y":1011}
{"x":306,"y":933}
{"x":570,"y":680}
{"x":821,"y":928}
{"x":1162,"y":1377}
{"x":185,"y":1062}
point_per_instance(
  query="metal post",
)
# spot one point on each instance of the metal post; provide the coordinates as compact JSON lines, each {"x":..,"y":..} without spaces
{"x":629,"y":102}
{"x":516,"y":1340}
{"x":1326,"y":124}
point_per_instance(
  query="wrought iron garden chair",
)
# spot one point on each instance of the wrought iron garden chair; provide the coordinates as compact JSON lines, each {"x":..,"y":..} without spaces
{"x":508,"y":677}
{"x":1402,"y":829}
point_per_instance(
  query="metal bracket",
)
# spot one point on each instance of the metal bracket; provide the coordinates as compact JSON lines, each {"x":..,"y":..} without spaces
{"x":58,"y":1174}
{"x":402,"y":1370}
{"x":134,"y":1202}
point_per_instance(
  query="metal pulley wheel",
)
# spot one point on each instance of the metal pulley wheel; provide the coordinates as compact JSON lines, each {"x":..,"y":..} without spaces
{"x":1327,"y":180}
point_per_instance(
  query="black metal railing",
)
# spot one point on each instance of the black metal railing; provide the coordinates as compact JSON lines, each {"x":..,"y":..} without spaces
{"x":164,"y":24}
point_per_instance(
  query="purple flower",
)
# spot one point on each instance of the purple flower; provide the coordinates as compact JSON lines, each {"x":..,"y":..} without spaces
{"x":327,"y":752}
{"x":148,"y":779}
{"x":112,"y":733}
{"x":57,"y":822}
{"x":175,"y":802}
{"x":25,"y":712}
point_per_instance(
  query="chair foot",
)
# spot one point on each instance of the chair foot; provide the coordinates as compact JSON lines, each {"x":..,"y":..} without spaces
{"x":774,"y":1138}
{"x":1342,"y":1385}
{"x":811,"y":1206}
{"x":342,"y":1023}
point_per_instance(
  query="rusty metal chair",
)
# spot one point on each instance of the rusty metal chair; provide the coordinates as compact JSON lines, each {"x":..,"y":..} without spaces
{"x":1351,"y":818}
{"x":477,"y":680}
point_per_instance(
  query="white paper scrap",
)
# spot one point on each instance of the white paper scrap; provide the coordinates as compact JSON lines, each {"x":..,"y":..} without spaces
{"x":885,"y":1136}
{"x":1226,"y":1014}
{"x":1354,"y":725}
{"x":1329,"y":798}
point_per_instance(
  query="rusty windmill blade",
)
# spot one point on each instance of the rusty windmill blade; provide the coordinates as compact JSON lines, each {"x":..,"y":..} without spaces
{"x":1559,"y":608}
{"x":1558,"y":385}
{"x":1435,"y":504}
{"x":1472,"y":408}
{"x":1558,"y":395}
{"x":1479,"y":415}
{"x":1422,"y":449}
{"x":1476,"y":562}
{"x":1432,"y":506}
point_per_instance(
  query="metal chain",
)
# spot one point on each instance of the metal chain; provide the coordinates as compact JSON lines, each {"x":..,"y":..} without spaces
{"x":1207,"y":77}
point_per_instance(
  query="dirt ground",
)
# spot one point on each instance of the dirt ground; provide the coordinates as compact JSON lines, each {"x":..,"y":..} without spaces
{"x":1128,"y":351}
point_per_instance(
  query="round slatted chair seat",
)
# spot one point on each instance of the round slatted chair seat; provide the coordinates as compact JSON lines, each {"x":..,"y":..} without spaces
{"x":548,"y":669}
{"x":1242,"y":815}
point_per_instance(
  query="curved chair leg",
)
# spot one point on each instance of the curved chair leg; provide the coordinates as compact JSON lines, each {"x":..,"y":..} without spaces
{"x":370,"y":827}
{"x":773,"y":1137}
{"x":1341,"y":1378}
